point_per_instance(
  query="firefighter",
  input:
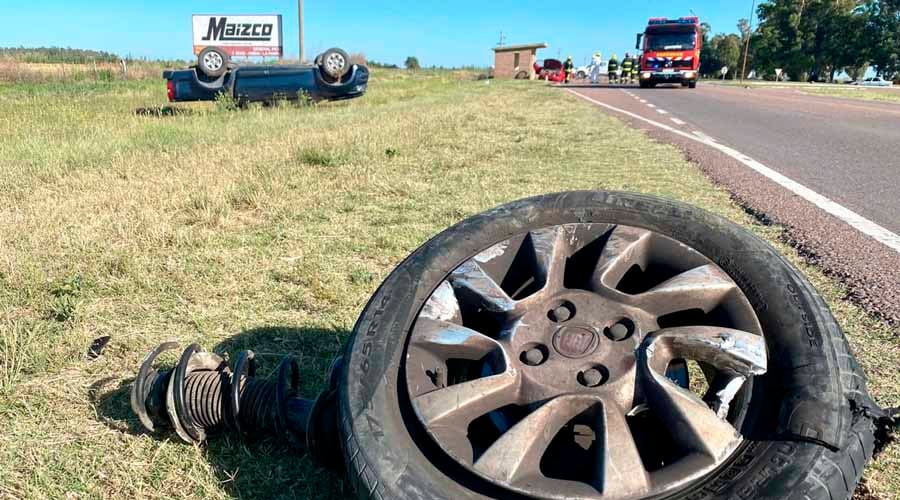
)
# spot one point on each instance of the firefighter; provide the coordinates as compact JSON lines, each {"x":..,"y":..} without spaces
{"x":627,"y":64}
{"x":636,"y":69}
{"x":569,"y":68}
{"x":596,"y":61}
{"x":613,"y":68}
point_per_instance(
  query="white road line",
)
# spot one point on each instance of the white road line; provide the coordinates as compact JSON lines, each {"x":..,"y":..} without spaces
{"x":662,"y":111}
{"x":860,"y":223}
{"x":652,"y":105}
{"x":643,"y":101}
{"x":677,"y":121}
{"x":704,"y":136}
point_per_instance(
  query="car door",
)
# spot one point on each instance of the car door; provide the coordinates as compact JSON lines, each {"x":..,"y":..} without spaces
{"x":252,"y":83}
{"x":288,"y":81}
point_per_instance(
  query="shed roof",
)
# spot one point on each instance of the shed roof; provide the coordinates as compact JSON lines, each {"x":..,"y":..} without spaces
{"x":524,"y":46}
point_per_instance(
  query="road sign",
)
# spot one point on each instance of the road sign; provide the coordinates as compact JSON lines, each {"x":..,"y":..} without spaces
{"x":239,"y":35}
{"x":724,"y":70}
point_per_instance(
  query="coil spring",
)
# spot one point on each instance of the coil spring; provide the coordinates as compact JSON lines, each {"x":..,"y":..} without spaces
{"x":202,"y":395}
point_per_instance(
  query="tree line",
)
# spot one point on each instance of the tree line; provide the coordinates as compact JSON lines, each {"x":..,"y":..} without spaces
{"x":811,"y":40}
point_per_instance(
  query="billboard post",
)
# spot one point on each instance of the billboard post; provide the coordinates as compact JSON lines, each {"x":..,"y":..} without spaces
{"x":259,"y":35}
{"x":300,"y":20}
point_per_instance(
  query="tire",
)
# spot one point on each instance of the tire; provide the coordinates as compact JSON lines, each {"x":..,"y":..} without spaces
{"x":213,"y":62}
{"x":521,"y":75}
{"x":692,"y":85}
{"x":804,"y":439}
{"x":334,"y":63}
{"x":581,"y":75}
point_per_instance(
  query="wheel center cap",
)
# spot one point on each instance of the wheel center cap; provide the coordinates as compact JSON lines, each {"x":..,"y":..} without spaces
{"x":575,"y":341}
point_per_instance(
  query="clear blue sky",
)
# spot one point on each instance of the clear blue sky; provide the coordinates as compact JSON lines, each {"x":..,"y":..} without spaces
{"x":440,"y":33}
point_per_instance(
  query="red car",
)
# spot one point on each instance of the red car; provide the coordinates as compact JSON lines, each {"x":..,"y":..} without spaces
{"x":550,"y":70}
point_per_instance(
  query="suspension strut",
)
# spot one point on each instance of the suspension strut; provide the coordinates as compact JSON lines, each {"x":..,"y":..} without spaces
{"x":202,"y":396}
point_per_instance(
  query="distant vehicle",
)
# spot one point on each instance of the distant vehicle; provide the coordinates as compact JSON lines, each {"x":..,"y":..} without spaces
{"x":875,"y":81}
{"x":671,"y":51}
{"x":331,"y":77}
{"x":583,"y":72}
{"x":550,"y":70}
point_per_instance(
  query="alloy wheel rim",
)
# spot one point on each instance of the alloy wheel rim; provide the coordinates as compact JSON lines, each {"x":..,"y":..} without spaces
{"x":544,"y":363}
{"x":213,"y":61}
{"x":335,"y":63}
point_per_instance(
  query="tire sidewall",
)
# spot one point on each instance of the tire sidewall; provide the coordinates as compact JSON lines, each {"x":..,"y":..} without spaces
{"x":381,"y":435}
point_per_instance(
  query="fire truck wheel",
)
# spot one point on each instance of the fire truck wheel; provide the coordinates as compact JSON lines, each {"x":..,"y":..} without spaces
{"x":213,"y":62}
{"x":543,"y":349}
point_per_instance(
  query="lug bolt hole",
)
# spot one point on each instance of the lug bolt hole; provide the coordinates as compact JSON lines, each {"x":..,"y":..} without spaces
{"x":620,"y":330}
{"x":534,"y":354}
{"x":594,"y":376}
{"x":562,"y":312}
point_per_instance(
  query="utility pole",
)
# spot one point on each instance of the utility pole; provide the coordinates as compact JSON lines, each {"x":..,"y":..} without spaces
{"x":300,"y":20}
{"x":747,"y":42}
{"x":502,"y":38}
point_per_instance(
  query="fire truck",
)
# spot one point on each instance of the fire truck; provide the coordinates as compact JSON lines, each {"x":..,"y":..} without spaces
{"x":671,"y":51}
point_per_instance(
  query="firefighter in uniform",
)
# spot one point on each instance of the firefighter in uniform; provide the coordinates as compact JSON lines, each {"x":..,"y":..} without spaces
{"x":569,"y":68}
{"x":596,"y":62}
{"x":613,"y":67}
{"x":636,"y":68}
{"x":627,"y":64}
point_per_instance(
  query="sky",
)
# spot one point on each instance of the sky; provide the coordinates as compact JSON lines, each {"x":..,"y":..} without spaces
{"x":439,"y":33}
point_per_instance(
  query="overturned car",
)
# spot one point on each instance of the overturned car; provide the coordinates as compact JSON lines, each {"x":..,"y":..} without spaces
{"x":331,"y":77}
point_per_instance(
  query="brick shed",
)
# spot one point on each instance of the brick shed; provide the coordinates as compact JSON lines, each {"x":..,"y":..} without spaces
{"x":511,"y":60}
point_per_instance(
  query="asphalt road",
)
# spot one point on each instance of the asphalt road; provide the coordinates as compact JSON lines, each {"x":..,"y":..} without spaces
{"x":845,"y":150}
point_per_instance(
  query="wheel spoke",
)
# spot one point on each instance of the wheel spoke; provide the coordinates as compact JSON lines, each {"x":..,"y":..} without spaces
{"x":550,"y":255}
{"x":516,"y":455}
{"x":619,"y":467}
{"x":443,"y":305}
{"x":458,"y":405}
{"x":447,"y":340}
{"x":471,"y":281}
{"x":625,"y":247}
{"x":695,"y":426}
{"x":703,"y":287}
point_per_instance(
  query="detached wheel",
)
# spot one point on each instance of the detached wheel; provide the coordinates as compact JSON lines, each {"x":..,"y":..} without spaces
{"x":213,"y":62}
{"x":598,"y":345}
{"x":521,"y":75}
{"x":334,"y":62}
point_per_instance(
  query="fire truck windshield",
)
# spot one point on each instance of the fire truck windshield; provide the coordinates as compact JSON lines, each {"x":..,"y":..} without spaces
{"x":670,"y":41}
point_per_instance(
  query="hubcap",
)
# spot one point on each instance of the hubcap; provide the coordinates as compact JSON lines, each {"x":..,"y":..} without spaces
{"x":555,"y":363}
{"x":335,"y":64}
{"x":212,"y":60}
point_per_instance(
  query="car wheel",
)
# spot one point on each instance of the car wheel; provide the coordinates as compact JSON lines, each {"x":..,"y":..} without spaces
{"x":213,"y":62}
{"x":692,"y":85}
{"x":521,"y":75}
{"x":335,"y":63}
{"x":603,"y":346}
{"x":581,"y":75}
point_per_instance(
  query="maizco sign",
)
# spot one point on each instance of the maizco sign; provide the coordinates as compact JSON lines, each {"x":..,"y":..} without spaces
{"x":239,"y":35}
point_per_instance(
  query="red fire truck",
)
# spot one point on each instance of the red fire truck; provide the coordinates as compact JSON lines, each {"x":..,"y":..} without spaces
{"x":671,"y":51}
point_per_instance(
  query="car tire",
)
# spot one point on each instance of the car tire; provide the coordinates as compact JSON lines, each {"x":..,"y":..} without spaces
{"x":581,"y":75}
{"x":334,"y":63}
{"x":806,"y":437}
{"x":521,"y":75}
{"x":692,"y":85}
{"x":213,"y":62}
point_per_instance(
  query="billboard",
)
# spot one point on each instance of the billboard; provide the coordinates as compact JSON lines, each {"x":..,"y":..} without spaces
{"x":239,"y":35}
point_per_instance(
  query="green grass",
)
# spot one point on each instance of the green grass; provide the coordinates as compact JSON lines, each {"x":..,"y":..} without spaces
{"x":267,"y":228}
{"x":828,"y":90}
